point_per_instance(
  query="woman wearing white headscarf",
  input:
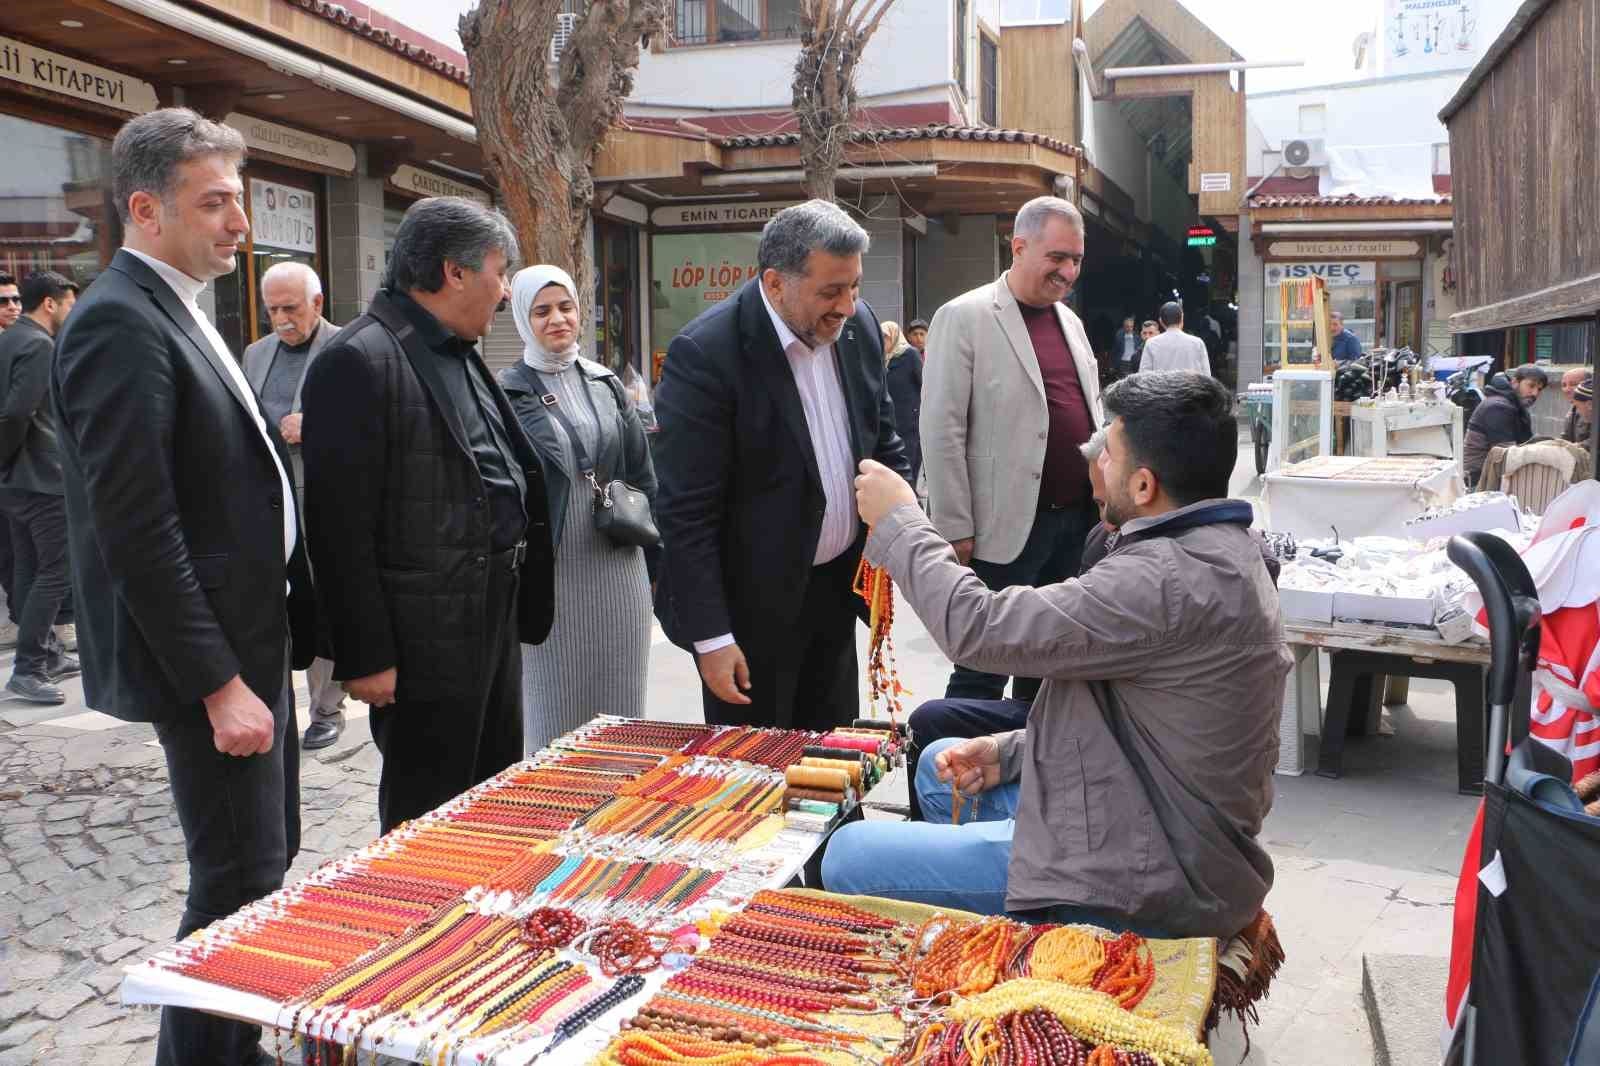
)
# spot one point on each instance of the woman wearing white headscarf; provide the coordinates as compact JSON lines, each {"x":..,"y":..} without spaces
{"x":595,"y":659}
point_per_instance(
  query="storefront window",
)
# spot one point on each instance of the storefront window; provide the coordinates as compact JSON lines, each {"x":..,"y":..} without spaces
{"x":283,"y":226}
{"x":1352,"y":291}
{"x":689,"y":272}
{"x":394,"y":209}
{"x":56,"y":210}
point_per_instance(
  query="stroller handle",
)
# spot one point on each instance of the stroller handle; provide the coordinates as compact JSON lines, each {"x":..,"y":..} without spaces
{"x":1511,"y":601}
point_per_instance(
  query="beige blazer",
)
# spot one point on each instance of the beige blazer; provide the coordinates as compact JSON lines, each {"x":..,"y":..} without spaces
{"x":984,"y":422}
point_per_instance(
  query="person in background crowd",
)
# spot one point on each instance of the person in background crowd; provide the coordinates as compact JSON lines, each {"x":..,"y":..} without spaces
{"x":1147,"y":329}
{"x":1012,"y":392}
{"x":1578,"y":386}
{"x":192,"y":588}
{"x":1502,"y":417}
{"x":905,"y":389}
{"x":276,"y":368}
{"x":1174,"y":349}
{"x":580,"y":421}
{"x":767,"y":401}
{"x":1135,"y":795}
{"x":10,"y":301}
{"x":431,"y":531}
{"x":1345,"y":344}
{"x":917,"y":335}
{"x":30,"y":484}
{"x":10,"y":310}
{"x":1126,"y":347}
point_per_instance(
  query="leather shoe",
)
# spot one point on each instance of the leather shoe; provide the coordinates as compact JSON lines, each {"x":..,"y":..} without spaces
{"x":35,"y":689}
{"x":62,"y":665}
{"x":321,"y":733}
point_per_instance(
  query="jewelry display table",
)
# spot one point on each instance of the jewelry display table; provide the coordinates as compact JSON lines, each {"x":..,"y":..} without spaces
{"x":590,"y":827}
{"x":1362,"y":659}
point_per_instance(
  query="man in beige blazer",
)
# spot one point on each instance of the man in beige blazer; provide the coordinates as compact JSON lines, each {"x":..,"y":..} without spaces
{"x":1010,"y":392}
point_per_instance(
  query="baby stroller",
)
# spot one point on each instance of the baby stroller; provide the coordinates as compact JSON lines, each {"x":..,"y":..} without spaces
{"x":1525,"y":964}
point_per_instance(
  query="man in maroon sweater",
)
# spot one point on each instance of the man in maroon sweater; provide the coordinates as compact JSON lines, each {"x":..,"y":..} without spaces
{"x":1010,"y":393}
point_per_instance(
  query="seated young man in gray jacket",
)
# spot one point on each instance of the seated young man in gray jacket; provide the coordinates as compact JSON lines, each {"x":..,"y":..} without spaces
{"x":1135,"y":794}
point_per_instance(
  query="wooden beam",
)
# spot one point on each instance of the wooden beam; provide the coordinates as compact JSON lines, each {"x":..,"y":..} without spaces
{"x":1571,"y":299}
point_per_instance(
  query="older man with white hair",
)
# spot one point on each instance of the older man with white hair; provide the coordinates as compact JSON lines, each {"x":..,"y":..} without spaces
{"x":276,"y":368}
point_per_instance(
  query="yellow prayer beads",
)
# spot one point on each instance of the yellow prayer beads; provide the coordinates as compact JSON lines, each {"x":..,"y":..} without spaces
{"x":1067,"y":954}
{"x":1090,"y":1015}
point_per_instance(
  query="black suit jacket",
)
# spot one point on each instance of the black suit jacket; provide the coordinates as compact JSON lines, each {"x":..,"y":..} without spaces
{"x":399,"y":531}
{"x":739,"y":500}
{"x":174,"y":510}
{"x":29,"y":457}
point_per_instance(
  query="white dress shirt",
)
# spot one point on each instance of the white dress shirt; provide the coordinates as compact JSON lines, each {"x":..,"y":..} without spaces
{"x":816,"y":375}
{"x":188,"y":291}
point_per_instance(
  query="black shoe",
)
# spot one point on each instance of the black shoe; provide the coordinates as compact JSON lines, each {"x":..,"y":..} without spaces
{"x":321,"y":733}
{"x":35,"y":689}
{"x":62,"y":665}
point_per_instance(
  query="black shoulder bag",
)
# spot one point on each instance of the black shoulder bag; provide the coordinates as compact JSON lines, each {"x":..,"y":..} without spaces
{"x":621,"y":511}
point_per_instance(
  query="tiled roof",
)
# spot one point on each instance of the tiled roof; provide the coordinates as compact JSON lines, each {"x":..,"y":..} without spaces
{"x":363,"y":21}
{"x":1348,"y":201}
{"x":911,"y":133}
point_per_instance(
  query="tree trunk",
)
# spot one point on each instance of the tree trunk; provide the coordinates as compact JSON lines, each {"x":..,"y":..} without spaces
{"x":833,"y":35}
{"x":541,"y":129}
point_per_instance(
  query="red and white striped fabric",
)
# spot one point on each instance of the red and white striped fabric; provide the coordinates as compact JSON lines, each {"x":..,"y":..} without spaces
{"x":1564,"y":562}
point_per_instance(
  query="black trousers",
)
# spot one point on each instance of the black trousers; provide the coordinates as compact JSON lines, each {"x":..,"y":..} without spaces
{"x":961,"y":719}
{"x":1052,"y":553}
{"x":807,"y":680}
{"x":8,"y":569}
{"x":241,"y":828}
{"x":38,"y":524}
{"x":434,"y":751}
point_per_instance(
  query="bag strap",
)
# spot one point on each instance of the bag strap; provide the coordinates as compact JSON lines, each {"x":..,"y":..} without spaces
{"x":1111,"y":711}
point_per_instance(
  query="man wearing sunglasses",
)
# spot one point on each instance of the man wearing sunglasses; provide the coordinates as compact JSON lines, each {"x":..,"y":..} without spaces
{"x":10,"y":301}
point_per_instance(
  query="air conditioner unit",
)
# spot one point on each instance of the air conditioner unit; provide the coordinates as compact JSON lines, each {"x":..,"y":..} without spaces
{"x":1304,"y":152}
{"x":566,"y":22}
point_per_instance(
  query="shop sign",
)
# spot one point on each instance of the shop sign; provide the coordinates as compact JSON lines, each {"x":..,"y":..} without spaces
{"x":264,"y":136}
{"x":1202,"y":237}
{"x":1344,"y":249}
{"x":1336,"y":274}
{"x":733,"y":214}
{"x":73,"y":77}
{"x":1221,"y":181}
{"x":1429,"y":35}
{"x":419,"y":182}
{"x":283,"y":217}
{"x":691,"y":272}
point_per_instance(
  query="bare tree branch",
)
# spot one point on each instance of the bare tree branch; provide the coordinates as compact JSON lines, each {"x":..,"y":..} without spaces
{"x":541,"y":130}
{"x":833,"y":35}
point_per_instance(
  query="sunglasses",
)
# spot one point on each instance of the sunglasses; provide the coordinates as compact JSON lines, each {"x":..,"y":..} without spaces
{"x":11,"y":300}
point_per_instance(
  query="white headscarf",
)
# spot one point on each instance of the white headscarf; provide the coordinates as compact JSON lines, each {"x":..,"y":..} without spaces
{"x":525,"y":287}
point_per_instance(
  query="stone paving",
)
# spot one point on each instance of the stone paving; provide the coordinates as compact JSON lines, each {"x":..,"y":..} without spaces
{"x":93,"y":874}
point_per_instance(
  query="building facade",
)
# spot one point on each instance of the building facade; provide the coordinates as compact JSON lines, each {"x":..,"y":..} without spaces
{"x":348,"y":117}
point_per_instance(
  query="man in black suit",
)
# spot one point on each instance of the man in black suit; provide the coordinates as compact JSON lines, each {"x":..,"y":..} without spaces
{"x":30,"y":484}
{"x":184,"y":534}
{"x":428,"y":506}
{"x":767,"y":404}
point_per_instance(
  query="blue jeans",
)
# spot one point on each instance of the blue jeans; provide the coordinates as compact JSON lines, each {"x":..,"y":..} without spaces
{"x":961,"y":719}
{"x":956,"y":867}
{"x":962,"y":867}
{"x":1053,"y":552}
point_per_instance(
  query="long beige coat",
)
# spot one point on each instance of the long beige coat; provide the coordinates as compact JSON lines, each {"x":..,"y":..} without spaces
{"x":984,"y":421}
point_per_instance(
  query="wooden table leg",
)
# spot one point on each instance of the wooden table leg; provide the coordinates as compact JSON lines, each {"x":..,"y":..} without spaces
{"x":1397,"y":691}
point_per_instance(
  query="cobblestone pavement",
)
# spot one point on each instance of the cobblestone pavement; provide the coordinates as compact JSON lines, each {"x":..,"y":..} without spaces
{"x":93,"y":874}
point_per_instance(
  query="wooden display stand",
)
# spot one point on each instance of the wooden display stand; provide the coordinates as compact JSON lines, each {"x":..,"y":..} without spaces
{"x":1308,"y":296}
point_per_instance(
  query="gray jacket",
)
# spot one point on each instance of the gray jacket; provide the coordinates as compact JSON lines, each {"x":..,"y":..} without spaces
{"x":30,"y":457}
{"x":257,"y":363}
{"x":1178,"y":627}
